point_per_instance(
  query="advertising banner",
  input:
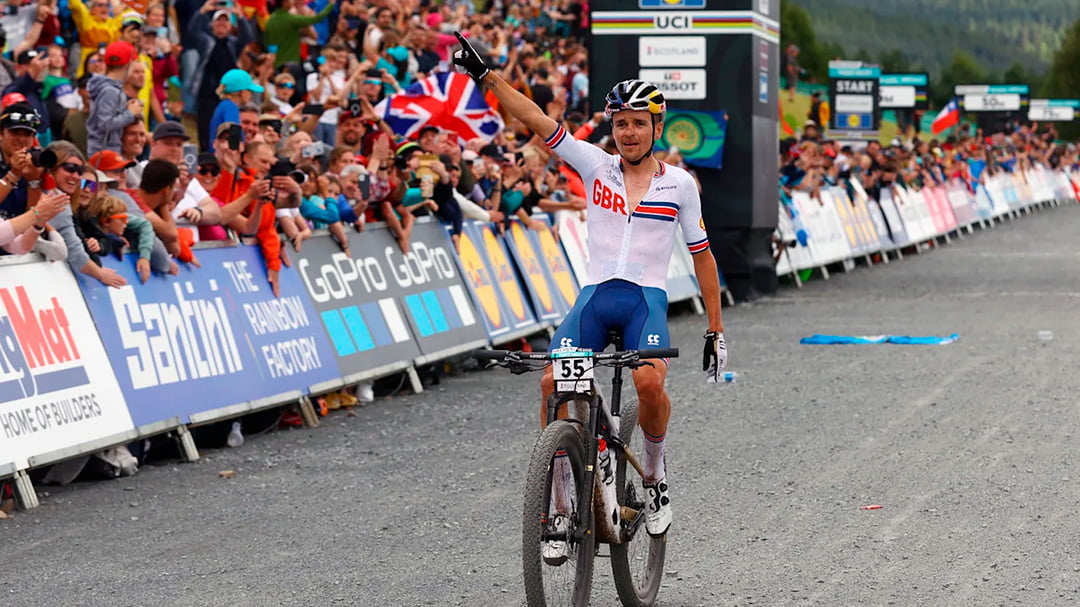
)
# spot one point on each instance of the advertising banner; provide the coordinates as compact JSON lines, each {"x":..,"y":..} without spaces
{"x":904,"y":91}
{"x":208,"y":338}
{"x":356,"y":305}
{"x":549,"y":304}
{"x":557,"y":264}
{"x":57,"y":388}
{"x":491,"y":280}
{"x":427,"y":284}
{"x":699,"y":136}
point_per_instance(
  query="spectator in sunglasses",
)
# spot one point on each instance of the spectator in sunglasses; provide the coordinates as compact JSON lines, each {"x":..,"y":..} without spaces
{"x":117,"y":229}
{"x":67,"y":174}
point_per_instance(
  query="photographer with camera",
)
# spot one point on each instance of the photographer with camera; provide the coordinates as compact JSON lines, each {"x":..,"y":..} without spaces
{"x":20,"y":185}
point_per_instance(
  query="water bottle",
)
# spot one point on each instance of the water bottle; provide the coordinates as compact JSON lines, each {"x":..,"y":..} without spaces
{"x":727,"y":377}
{"x":236,"y":436}
{"x":607,"y":508}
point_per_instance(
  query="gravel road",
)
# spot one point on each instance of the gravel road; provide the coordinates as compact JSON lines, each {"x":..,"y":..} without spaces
{"x":415,"y":500}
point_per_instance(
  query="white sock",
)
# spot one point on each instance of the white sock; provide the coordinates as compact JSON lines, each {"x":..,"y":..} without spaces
{"x":562,"y":480}
{"x":654,"y":457}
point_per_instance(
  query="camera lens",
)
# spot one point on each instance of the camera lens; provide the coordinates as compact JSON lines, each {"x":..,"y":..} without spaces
{"x":298,"y":176}
{"x":45,"y":159}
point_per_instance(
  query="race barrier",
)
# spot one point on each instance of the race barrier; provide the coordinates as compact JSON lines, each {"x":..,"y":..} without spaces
{"x":843,"y":223}
{"x":86,"y":367}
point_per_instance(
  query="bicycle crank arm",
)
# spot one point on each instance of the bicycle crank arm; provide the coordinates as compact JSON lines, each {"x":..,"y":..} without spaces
{"x":633,"y":460}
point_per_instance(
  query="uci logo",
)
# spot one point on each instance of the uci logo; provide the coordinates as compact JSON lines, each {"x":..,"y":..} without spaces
{"x":566,"y":342}
{"x":653,"y":339}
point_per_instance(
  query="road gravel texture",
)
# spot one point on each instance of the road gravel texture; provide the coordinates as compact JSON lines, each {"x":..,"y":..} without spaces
{"x":415,"y":500}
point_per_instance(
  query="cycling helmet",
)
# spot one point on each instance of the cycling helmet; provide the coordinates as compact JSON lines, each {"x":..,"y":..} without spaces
{"x":635,"y":95}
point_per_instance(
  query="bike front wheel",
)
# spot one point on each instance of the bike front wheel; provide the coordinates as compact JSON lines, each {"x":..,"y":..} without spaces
{"x":638,"y":564}
{"x":554,"y":491}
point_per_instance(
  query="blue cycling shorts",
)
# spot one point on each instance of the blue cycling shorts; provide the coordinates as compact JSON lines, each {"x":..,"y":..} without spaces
{"x":638,"y":313}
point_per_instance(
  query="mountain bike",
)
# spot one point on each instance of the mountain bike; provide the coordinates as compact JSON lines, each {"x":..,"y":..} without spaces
{"x":598,"y":444}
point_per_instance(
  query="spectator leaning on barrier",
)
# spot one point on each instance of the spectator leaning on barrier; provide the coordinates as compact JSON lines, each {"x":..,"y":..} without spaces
{"x":110,"y":110}
{"x":194,"y":206}
{"x":67,"y":174}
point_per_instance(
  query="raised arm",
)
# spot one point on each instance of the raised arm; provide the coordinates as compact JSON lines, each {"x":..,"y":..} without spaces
{"x":520,"y":106}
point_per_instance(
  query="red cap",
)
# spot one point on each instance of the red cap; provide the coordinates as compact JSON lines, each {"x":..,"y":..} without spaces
{"x":11,"y":98}
{"x":108,"y":160}
{"x":119,"y":54}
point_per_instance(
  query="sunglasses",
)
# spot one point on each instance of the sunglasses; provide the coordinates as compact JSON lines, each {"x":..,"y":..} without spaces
{"x":22,"y":119}
{"x":121,"y":216}
{"x":72,"y":167}
{"x":213,"y":171}
{"x":88,"y":184}
{"x":288,"y":85}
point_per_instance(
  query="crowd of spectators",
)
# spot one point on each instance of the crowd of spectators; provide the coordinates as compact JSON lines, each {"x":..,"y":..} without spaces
{"x":145,"y":127}
{"x":968,"y":156}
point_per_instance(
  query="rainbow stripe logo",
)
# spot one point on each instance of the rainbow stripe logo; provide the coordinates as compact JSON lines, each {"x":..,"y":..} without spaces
{"x":671,"y":3}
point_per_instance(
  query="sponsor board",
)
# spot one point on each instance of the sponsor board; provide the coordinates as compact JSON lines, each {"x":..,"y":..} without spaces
{"x":209,"y":338}
{"x":675,"y":51}
{"x":57,"y":388}
{"x":677,"y":83}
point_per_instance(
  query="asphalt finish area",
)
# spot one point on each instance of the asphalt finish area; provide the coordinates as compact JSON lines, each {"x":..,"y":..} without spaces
{"x":968,"y":448}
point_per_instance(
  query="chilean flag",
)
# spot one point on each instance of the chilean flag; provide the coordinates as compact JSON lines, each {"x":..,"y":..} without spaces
{"x":448,"y":100}
{"x":948,"y":117}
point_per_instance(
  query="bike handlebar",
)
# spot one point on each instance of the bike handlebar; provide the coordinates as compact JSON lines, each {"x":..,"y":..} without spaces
{"x":482,"y":355}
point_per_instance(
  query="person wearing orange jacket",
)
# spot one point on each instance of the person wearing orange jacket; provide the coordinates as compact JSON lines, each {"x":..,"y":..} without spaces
{"x":251,"y":180}
{"x":97,"y":27}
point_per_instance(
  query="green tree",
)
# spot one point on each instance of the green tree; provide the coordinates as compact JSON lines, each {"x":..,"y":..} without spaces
{"x":1063,"y":79}
{"x":796,"y":28}
{"x":894,"y":62}
{"x":963,"y":69}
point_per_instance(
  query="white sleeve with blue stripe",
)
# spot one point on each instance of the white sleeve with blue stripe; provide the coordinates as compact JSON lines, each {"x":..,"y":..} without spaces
{"x":693,"y":225}
{"x":584,"y":157}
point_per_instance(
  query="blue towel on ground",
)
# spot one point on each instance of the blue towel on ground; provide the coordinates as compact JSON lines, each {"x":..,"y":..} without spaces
{"x":903,"y":340}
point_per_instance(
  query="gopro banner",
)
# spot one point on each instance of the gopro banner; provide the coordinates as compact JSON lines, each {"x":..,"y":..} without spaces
{"x":208,"y":338}
{"x":493,"y":283}
{"x":57,"y":389}
{"x":357,"y":302}
{"x":427,"y":285}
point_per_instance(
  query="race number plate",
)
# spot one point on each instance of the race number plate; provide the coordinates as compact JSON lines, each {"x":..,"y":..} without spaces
{"x":573,"y":369}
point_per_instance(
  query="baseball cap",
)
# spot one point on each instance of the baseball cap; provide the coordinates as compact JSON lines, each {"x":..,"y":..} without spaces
{"x":219,"y":14}
{"x":428,"y":127}
{"x":207,"y":159}
{"x":170,"y":128}
{"x":119,"y":54}
{"x":11,"y":98}
{"x":28,"y":55}
{"x":237,"y":80}
{"x":492,"y":150}
{"x":223,"y":129}
{"x":406,"y":148}
{"x":108,"y":160}
{"x":103,"y":178}
{"x":469,"y":156}
{"x":130,"y":19}
{"x":20,"y":115}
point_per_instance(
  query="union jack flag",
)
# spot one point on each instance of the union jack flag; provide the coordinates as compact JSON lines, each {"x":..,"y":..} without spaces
{"x":448,"y":100}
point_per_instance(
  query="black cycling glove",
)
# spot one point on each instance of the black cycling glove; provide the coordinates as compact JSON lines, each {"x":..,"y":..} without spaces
{"x":470,"y":60}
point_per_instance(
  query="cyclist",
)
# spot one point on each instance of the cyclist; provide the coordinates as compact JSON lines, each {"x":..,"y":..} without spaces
{"x":637,"y":203}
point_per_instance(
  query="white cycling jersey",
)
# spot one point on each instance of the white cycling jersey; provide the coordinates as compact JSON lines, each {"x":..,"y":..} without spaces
{"x":632,"y":244}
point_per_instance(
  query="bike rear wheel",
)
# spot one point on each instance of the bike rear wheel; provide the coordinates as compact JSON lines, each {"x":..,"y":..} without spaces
{"x":637,"y":565}
{"x":568,"y":583}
